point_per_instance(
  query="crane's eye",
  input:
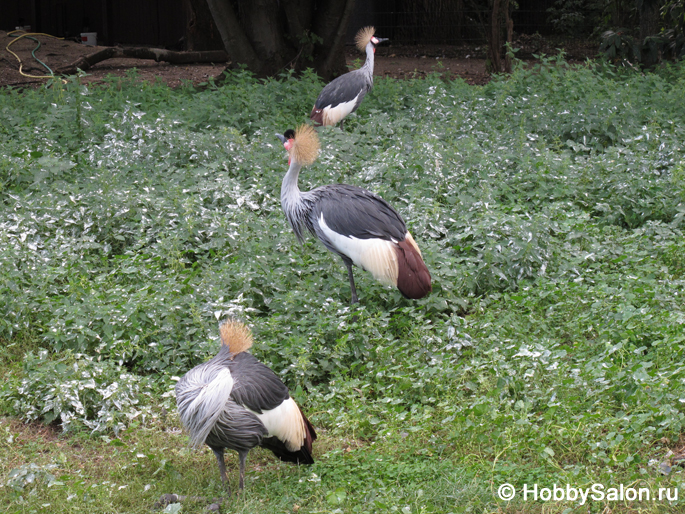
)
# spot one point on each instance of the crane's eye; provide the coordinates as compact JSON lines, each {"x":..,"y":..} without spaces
{"x":288,"y":144}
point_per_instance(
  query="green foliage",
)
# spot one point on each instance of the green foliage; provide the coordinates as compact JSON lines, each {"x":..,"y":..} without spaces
{"x":622,"y":47}
{"x":619,"y":46}
{"x":576,"y":17}
{"x":673,"y":12}
{"x":27,"y":475}
{"x":548,"y":206}
{"x":77,"y":391}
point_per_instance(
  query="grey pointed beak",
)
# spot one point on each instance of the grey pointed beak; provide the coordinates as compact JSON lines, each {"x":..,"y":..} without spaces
{"x":281,"y":137}
{"x":381,"y":39}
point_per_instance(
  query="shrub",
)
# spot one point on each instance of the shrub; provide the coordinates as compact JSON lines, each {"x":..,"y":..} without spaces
{"x":77,"y":391}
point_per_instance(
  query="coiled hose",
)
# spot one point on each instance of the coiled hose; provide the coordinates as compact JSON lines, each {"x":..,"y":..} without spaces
{"x":29,"y":35}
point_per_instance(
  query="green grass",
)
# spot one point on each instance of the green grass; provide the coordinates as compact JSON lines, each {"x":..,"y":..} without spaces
{"x":548,"y":206}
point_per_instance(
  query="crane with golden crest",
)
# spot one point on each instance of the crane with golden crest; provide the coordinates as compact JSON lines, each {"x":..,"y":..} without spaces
{"x":356,"y":224}
{"x":234,"y":401}
{"x":344,"y":94}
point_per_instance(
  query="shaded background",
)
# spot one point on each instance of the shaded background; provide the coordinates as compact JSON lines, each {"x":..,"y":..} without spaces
{"x":162,"y":22}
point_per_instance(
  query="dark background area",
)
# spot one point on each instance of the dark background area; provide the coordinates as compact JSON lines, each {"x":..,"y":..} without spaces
{"x":144,"y":22}
{"x":162,"y":22}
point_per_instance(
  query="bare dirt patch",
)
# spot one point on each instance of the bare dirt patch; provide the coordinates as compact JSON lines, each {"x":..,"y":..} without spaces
{"x":25,"y":433}
{"x":397,"y":61}
{"x":391,"y":61}
{"x":56,"y":53}
{"x":418,"y":61}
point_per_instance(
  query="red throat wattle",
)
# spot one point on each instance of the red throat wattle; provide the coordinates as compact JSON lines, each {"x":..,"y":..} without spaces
{"x":288,"y":145}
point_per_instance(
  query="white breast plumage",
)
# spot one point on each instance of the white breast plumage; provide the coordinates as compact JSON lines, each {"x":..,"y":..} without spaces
{"x":332,"y":115}
{"x":376,"y":256}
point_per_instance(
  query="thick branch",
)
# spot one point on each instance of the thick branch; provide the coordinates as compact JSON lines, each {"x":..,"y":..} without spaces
{"x":157,"y":54}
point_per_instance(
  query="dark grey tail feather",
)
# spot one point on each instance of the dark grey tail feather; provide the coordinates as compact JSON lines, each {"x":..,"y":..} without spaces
{"x":413,"y":277}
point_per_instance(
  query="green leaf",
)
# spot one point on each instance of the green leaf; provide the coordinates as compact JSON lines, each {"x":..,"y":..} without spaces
{"x":336,"y":497}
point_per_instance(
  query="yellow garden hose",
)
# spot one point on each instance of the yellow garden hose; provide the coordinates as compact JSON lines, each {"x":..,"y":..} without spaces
{"x":21,"y":65}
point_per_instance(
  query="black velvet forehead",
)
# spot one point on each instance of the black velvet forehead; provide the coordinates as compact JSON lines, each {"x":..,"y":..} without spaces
{"x":289,"y":134}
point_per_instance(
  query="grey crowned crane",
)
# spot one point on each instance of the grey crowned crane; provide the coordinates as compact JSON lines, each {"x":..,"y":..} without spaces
{"x":234,"y":401}
{"x":356,"y":224}
{"x":343,"y":95}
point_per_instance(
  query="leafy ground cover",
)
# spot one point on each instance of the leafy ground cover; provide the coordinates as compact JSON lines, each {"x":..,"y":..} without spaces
{"x":549,"y":209}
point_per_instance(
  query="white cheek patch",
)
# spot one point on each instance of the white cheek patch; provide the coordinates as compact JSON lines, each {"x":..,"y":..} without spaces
{"x":333,"y":115}
{"x":376,"y":256}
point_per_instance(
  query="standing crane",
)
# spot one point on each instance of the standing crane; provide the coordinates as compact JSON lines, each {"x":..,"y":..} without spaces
{"x":343,"y":95}
{"x":356,"y":224}
{"x":234,"y":401}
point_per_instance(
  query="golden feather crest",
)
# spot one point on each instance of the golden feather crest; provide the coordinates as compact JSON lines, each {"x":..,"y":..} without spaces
{"x":306,"y":146}
{"x":363,"y":37}
{"x":235,"y":335}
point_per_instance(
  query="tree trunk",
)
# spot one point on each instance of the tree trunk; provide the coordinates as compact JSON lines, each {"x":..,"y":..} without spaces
{"x":330,"y":24}
{"x":509,"y":24}
{"x":494,"y":41}
{"x":262,"y":28}
{"x":237,"y":45}
{"x":268,"y":36}
{"x":649,"y":18}
{"x":501,"y":25}
{"x":649,"y":26}
{"x":201,"y":32}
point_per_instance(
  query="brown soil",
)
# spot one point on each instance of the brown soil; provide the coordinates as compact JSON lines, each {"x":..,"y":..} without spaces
{"x":467,"y":62}
{"x":391,"y":61}
{"x":418,"y":61}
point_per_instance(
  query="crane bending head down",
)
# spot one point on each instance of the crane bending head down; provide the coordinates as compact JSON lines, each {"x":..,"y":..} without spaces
{"x":234,"y":401}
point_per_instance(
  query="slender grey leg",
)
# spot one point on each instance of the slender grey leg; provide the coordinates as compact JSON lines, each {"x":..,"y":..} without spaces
{"x":341,"y":124}
{"x":352,"y":288}
{"x":219,"y":453}
{"x":242,"y":456}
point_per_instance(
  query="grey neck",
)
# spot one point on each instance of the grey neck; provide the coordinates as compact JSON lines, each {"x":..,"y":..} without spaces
{"x":368,"y":65}
{"x":290,"y":191}
{"x":294,"y":203}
